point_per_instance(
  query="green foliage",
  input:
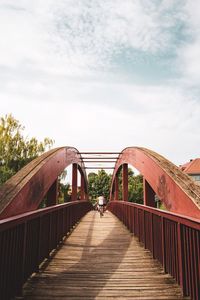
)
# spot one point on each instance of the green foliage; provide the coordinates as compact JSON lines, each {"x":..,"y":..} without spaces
{"x":135,"y":187}
{"x":99,"y":184}
{"x":15,"y":149}
{"x":64,"y":192}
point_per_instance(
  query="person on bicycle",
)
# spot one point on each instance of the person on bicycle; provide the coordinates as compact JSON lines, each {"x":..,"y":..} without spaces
{"x":101,"y":204}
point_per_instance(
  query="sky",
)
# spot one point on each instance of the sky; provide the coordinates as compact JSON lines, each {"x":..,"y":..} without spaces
{"x":102,"y":75}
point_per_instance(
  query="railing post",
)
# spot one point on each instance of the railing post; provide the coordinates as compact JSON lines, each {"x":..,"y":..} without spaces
{"x":163,"y":244}
{"x":125,"y":182}
{"x":39,"y":243}
{"x":116,"y":185}
{"x":19,"y":292}
{"x":152,"y":236}
{"x":144,"y":228}
{"x":132,"y":218}
{"x":74,"y":182}
{"x":180,"y":258}
{"x":50,"y":233}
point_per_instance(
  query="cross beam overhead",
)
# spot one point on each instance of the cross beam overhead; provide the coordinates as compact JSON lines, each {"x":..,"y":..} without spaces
{"x":100,"y":160}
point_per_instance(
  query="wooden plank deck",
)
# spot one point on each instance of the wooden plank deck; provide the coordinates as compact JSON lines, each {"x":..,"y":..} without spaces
{"x":101,"y":260}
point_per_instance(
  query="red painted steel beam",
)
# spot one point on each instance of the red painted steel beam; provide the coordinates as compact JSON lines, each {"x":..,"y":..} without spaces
{"x":116,"y":183}
{"x":82,"y":187}
{"x":178,"y":192}
{"x":125,"y":182}
{"x":74,"y":182}
{"x":97,"y":161}
{"x":100,"y":153}
{"x":99,"y":158}
{"x":100,"y":168}
{"x":26,"y":189}
{"x":84,"y":183}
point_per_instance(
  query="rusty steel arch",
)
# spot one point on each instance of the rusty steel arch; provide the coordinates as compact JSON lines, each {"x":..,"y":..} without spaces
{"x":176,"y":190}
{"x":26,"y":189}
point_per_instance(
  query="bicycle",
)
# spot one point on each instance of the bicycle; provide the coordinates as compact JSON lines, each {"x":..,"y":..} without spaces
{"x":101,"y":210}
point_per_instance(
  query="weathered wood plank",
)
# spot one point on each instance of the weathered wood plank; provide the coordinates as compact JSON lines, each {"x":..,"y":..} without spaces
{"x":101,"y":260}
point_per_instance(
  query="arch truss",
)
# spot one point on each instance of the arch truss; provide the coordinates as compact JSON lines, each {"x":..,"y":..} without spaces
{"x":178,"y":192}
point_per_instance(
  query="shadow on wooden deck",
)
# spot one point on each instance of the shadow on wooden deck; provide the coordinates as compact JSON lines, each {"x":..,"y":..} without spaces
{"x":101,"y":260}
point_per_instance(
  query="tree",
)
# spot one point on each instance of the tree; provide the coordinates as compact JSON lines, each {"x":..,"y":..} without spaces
{"x":135,"y":187}
{"x":99,"y":184}
{"x":15,"y":149}
{"x":64,"y":192}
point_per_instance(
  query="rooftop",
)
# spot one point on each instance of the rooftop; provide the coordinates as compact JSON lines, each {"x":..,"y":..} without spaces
{"x":191,"y":167}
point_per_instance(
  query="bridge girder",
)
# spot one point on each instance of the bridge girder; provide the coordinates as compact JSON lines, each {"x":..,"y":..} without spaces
{"x":175,"y":189}
{"x":25,"y":190}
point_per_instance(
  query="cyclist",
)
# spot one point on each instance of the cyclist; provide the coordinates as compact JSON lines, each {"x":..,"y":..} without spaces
{"x":101,"y":204}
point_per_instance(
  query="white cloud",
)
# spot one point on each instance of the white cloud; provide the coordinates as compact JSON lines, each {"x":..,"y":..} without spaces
{"x":189,"y":53}
{"x":190,"y":58}
{"x":96,"y":30}
{"x":161,"y":118}
{"x":85,"y":33}
{"x":21,"y":40}
{"x":56,"y":74}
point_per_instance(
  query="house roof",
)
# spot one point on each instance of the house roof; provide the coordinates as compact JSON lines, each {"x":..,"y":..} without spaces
{"x":191,"y":167}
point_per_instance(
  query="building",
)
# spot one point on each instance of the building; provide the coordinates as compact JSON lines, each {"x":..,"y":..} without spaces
{"x":192,"y":168}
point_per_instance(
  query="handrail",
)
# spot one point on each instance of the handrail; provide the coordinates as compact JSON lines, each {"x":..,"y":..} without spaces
{"x":173,"y":239}
{"x":27,"y":239}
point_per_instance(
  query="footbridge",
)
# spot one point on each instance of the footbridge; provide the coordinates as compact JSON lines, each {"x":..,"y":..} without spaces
{"x":67,"y":251}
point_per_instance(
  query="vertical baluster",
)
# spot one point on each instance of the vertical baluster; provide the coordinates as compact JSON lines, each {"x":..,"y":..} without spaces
{"x":163,"y":244}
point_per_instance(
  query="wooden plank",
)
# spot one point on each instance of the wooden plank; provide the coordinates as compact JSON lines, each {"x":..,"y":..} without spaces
{"x":101,"y":260}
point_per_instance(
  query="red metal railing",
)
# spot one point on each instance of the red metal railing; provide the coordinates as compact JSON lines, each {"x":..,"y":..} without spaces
{"x":26,"y":240}
{"x":173,"y":239}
